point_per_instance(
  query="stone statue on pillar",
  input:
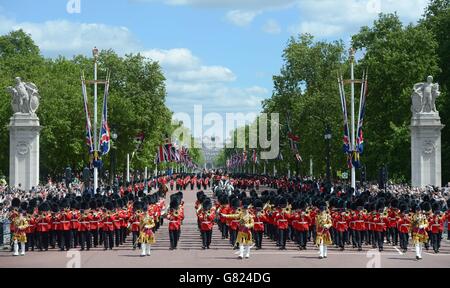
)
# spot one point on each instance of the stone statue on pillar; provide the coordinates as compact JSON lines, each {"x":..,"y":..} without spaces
{"x":426,"y":129}
{"x":24,"y":130}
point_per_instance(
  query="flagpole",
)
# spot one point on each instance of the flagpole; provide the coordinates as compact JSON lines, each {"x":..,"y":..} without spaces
{"x":95,"y":54}
{"x":128,"y":167}
{"x":352,"y":60}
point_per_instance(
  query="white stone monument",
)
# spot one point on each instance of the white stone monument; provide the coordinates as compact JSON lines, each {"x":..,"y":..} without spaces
{"x":426,"y":129}
{"x":24,"y":130}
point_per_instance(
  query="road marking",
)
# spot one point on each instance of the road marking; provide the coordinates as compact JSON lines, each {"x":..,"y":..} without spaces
{"x":398,"y":250}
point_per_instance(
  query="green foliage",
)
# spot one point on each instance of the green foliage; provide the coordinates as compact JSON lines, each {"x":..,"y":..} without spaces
{"x":136,"y":103}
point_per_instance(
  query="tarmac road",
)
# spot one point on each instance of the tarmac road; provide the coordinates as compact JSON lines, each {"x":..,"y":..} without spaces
{"x":190,"y":255}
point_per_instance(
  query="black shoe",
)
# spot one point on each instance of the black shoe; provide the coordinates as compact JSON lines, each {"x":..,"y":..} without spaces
{"x":207,"y":247}
{"x":204,"y":248}
{"x":320,"y":257}
{"x":360,"y":249}
{"x":104,"y":249}
{"x":342,"y":249}
{"x":82,"y":249}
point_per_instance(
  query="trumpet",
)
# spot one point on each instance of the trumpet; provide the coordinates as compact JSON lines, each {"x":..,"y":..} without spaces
{"x":287,"y":210}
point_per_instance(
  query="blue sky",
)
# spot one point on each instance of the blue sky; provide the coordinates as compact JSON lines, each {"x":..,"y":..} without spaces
{"x":218,"y":53}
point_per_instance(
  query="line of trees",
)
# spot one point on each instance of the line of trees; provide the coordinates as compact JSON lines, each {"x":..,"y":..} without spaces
{"x":136,"y":104}
{"x":397,"y":57}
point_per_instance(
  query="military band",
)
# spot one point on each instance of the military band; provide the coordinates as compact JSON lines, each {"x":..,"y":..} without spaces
{"x":244,"y":216}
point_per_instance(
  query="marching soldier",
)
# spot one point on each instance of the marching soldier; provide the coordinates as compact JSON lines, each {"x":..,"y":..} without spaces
{"x":419,"y":225}
{"x":175,"y":217}
{"x":64,"y":218}
{"x":245,"y":225}
{"x":436,"y":225}
{"x":146,"y":234}
{"x":84,"y":227}
{"x":19,"y":235}
{"x":282,"y":217}
{"x":404,"y":227}
{"x":107,"y":221}
{"x":300,"y":223}
{"x":258,"y":227}
{"x":43,"y":225}
{"x":206,"y":218}
{"x":323,"y":225}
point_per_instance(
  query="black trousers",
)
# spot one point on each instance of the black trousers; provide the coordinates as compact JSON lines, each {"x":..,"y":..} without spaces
{"x":302,"y":237}
{"x":436,"y":241}
{"x":282,"y":234}
{"x":117,"y":236}
{"x":404,"y":240}
{"x":108,"y":240}
{"x":65,"y":237}
{"x":357,"y":237}
{"x":233,"y":236}
{"x":30,"y":242}
{"x":224,"y":231}
{"x":135,"y":237}
{"x":76,"y":238}
{"x":340,"y":239}
{"x":393,"y":232}
{"x":379,"y":239}
{"x":85,"y":240}
{"x":174,"y":236}
{"x":54,"y":239}
{"x":123,"y":235}
{"x":206,"y":238}
{"x":258,"y":235}
{"x":42,"y":240}
{"x":95,"y":239}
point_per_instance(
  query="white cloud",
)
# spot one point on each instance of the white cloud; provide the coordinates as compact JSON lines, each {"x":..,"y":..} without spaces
{"x":326,"y":18}
{"x":68,"y":38}
{"x":189,"y":81}
{"x":229,"y":4}
{"x":241,"y":18}
{"x":272,"y":27}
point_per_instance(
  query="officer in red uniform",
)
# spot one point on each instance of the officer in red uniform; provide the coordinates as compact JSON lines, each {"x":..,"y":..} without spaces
{"x":259,"y":219}
{"x":75,"y":223}
{"x":206,"y":217}
{"x":282,"y":217}
{"x":94,"y":225}
{"x":108,"y":225}
{"x":65,"y":224}
{"x":436,"y":227}
{"x":174,"y":216}
{"x":300,"y":223}
{"x":43,"y":225}
{"x":31,"y":229}
{"x":134,"y":221}
{"x":404,"y":227}
{"x":224,"y":209}
{"x":233,"y":224}
{"x":359,"y":218}
{"x":381,"y":222}
{"x":392,"y":233}
{"x":84,"y":227}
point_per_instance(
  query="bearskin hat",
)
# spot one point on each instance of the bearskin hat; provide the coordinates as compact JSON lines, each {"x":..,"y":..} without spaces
{"x":235,"y":203}
{"x":258,"y":204}
{"x":44,"y":207}
{"x":15,"y":203}
{"x":109,"y":205}
{"x":137,"y":206}
{"x":246,"y":202}
{"x":425,"y":206}
{"x":207,"y":204}
{"x":436,"y":207}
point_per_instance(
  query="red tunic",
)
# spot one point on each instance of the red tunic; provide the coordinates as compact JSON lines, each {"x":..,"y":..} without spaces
{"x":436,"y":223}
{"x":404,"y":223}
{"x":85,"y":222}
{"x":282,"y":220}
{"x":206,"y":221}
{"x":380,"y":222}
{"x":43,"y":222}
{"x":259,"y":219}
{"x":108,"y":222}
{"x":300,"y":221}
{"x":359,"y":221}
{"x":65,"y":220}
{"x":75,"y":224}
{"x":174,"y":221}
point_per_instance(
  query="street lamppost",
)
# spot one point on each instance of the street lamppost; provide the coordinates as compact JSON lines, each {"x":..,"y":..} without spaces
{"x":328,"y":140}
{"x":113,"y":158}
{"x":95,"y":54}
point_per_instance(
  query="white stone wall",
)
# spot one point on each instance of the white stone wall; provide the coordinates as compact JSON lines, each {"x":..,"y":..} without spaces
{"x":426,"y":149}
{"x":24,"y":130}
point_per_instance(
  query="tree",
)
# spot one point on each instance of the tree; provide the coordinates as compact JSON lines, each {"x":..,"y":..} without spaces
{"x":397,"y":57}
